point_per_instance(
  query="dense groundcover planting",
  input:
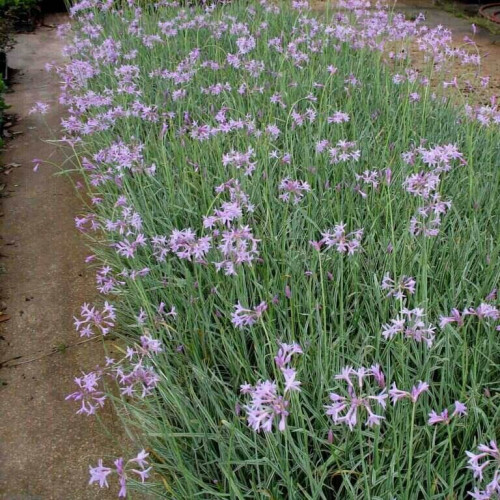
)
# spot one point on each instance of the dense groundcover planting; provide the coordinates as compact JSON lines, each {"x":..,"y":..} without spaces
{"x":296,"y":239}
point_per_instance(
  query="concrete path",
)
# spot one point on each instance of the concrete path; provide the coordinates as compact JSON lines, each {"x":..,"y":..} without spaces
{"x":45,"y":448}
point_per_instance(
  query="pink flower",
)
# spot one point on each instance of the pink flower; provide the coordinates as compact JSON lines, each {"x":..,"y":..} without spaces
{"x":89,"y":393}
{"x":483,"y":311}
{"x":343,"y":151}
{"x":39,"y":108}
{"x":416,"y":391}
{"x":422,"y":184}
{"x":344,"y":409}
{"x":242,"y":317}
{"x":370,"y":178}
{"x":273,"y":130}
{"x":100,"y":474}
{"x":293,"y":190}
{"x":245,"y":44}
{"x":238,"y":246}
{"x":290,"y":383}
{"x":455,"y":317}
{"x":266,"y":404}
{"x":343,"y":242}
{"x":285,"y":353}
{"x":121,"y":468}
{"x":443,"y":417}
{"x":411,"y":326}
{"x":338,"y":117}
{"x":487,"y":458}
{"x":460,"y":409}
{"x":93,"y":319}
{"x":405,"y":285}
{"x":186,"y":245}
{"x":240,"y":160}
{"x":378,"y":374}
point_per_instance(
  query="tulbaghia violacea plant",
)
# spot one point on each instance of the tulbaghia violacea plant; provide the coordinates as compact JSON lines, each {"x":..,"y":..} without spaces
{"x":293,"y":191}
{"x":444,"y":417}
{"x":399,"y":289}
{"x":415,"y":393}
{"x":135,"y":376}
{"x":299,"y":121}
{"x":268,"y":403}
{"x":340,"y":239}
{"x":486,"y":462}
{"x":242,"y":317}
{"x":136,"y":467}
{"x":93,"y":321}
{"x":484,"y":311}
{"x":411,"y":325}
{"x":360,"y":398}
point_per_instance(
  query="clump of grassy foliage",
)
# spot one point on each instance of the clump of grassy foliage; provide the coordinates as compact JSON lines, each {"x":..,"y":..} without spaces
{"x":163,"y":100}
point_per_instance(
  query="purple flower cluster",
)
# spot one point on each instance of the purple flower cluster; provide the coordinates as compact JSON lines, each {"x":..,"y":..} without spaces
{"x":410,"y":323}
{"x":425,"y":185}
{"x":267,"y":403}
{"x":486,"y":115}
{"x":338,"y":117}
{"x":343,"y":151}
{"x":236,"y":243}
{"x":487,"y":459}
{"x":240,"y":160}
{"x":372,"y":179}
{"x":133,"y":373}
{"x":238,"y":246}
{"x":358,"y":396}
{"x":405,"y":286}
{"x":187,"y":246}
{"x":242,"y":317}
{"x":484,"y":311}
{"x":93,"y":320}
{"x":344,"y":242}
{"x":89,"y":393}
{"x":444,"y":417}
{"x":292,"y":190}
{"x":138,"y":466}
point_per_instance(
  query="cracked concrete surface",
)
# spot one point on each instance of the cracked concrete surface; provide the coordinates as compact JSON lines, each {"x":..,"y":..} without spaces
{"x":45,"y":448}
